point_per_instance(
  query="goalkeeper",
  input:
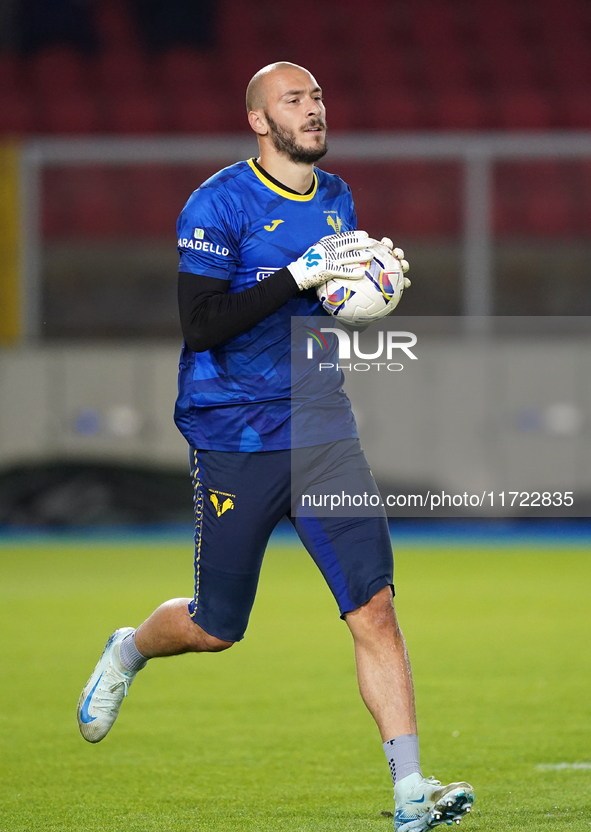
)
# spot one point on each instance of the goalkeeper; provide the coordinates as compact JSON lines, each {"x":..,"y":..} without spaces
{"x":254,"y":240}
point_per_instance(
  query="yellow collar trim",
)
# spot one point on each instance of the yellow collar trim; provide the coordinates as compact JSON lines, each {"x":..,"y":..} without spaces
{"x":281,"y":191}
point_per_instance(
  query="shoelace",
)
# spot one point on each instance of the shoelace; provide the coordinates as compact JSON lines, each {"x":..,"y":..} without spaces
{"x":432,"y":780}
{"x":105,"y":693}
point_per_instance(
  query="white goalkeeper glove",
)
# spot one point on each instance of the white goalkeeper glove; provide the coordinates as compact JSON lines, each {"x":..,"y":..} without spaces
{"x":399,"y":255}
{"x":333,"y":256}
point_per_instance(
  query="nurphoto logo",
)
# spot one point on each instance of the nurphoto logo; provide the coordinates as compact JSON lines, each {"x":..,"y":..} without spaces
{"x":385,"y":347}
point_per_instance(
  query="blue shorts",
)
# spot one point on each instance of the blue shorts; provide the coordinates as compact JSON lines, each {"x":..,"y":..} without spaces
{"x":240,"y":498}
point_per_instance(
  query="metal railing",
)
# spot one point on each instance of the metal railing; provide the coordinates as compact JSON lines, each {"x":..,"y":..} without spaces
{"x":477,"y":154}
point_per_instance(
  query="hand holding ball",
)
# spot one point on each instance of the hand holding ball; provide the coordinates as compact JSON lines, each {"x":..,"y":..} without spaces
{"x":359,"y":302}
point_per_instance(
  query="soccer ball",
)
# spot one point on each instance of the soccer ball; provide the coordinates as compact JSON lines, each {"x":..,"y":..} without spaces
{"x":375,"y":295}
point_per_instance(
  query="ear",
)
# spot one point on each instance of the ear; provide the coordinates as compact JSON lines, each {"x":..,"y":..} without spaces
{"x":258,"y":122}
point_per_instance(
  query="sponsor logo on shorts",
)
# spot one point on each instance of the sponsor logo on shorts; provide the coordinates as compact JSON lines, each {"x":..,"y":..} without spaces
{"x":221,"y":505}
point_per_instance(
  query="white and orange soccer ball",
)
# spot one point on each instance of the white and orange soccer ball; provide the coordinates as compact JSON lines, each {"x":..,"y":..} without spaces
{"x":375,"y":295}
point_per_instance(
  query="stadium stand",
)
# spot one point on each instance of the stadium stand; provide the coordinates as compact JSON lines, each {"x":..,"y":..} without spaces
{"x":449,"y":65}
{"x":407,"y":66}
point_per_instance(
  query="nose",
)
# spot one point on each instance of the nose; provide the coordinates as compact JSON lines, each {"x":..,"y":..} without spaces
{"x":314,"y":107}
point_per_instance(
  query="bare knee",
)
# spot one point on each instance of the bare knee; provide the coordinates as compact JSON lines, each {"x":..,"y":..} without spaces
{"x":202,"y":642}
{"x":211,"y":644}
{"x":377,"y":615}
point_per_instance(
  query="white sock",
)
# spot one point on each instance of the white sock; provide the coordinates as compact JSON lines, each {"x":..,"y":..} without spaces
{"x":130,"y":656}
{"x":403,"y":756}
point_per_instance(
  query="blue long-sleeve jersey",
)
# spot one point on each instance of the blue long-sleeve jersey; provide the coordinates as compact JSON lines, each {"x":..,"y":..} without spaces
{"x":258,"y":391}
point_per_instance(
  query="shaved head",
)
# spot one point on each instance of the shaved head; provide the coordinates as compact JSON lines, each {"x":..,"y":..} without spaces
{"x":256,"y":92}
{"x":286,"y":111}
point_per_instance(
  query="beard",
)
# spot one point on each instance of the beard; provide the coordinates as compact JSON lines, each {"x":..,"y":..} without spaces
{"x":284,"y":141}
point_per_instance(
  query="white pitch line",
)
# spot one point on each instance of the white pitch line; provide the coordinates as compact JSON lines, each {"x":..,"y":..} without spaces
{"x":563,"y":766}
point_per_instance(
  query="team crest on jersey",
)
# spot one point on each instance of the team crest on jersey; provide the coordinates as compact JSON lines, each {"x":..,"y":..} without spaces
{"x":219,"y":503}
{"x":198,"y":233}
{"x":335,"y":222}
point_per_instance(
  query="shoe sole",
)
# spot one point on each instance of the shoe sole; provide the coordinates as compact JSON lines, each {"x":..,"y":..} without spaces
{"x":451,"y":807}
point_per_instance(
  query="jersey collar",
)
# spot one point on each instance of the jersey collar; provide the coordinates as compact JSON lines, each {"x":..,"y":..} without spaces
{"x":282,"y":191}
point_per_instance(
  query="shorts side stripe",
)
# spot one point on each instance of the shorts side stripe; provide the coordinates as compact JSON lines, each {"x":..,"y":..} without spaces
{"x":318,"y":540}
{"x":198,"y":506}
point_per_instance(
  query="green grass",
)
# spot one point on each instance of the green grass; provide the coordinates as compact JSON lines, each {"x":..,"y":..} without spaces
{"x":272,"y":735}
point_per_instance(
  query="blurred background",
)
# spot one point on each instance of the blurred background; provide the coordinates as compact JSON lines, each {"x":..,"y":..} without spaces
{"x":463,"y":128}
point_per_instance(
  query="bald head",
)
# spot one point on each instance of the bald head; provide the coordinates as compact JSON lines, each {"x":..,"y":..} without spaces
{"x":286,"y":111}
{"x":256,"y":92}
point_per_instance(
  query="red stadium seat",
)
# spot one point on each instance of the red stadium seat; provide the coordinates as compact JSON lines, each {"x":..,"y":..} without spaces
{"x":461,"y":110}
{"x":200,"y":112}
{"x":405,"y":199}
{"x":426,"y":199}
{"x":11,"y":73}
{"x":239,"y":24}
{"x":344,"y":112}
{"x":16,"y":115}
{"x":182,"y":70}
{"x":372,"y":29}
{"x":138,"y":112}
{"x":583,"y":180}
{"x":385,"y":73}
{"x":561,"y":20}
{"x":575,"y":109}
{"x":446,"y":69}
{"x":151,"y":201}
{"x":524,"y":110}
{"x":75,"y":113}
{"x":330,"y":26}
{"x":420,"y":65}
{"x":537,"y":199}
{"x":86,"y":201}
{"x":497,"y":21}
{"x":241,"y":64}
{"x":509,"y":65}
{"x":373,"y":7}
{"x":115,"y":25}
{"x":569,"y":64}
{"x":56,"y":203}
{"x":504,"y":208}
{"x":53,"y":206}
{"x":370,"y":185}
{"x":122,"y":72}
{"x":434,"y":27}
{"x":186,"y":178}
{"x":394,"y":111}
{"x":504,"y":54}
{"x":59,"y":69}
{"x":549,"y":208}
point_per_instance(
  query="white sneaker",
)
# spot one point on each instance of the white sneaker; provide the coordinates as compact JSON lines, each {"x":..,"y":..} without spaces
{"x":104,"y":692}
{"x":423,"y":803}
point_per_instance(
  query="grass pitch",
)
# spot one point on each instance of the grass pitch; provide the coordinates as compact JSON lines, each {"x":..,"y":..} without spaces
{"x":272,"y":735}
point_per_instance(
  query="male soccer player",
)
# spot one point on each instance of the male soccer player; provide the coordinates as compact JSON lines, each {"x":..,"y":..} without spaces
{"x":253,"y":242}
